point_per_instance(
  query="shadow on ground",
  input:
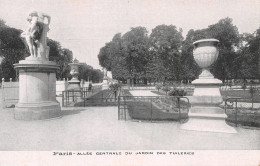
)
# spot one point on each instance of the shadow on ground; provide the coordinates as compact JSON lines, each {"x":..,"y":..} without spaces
{"x":70,"y":111}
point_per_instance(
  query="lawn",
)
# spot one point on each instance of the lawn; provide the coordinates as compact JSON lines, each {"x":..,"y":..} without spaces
{"x":244,"y":117}
{"x":227,"y":94}
{"x":102,"y":98}
{"x":157,"y":109}
{"x":144,"y":111}
{"x":160,"y":92}
{"x":240,"y":93}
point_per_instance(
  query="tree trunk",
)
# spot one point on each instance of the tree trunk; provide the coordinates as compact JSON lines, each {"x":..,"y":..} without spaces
{"x":134,"y":81}
{"x":115,"y":94}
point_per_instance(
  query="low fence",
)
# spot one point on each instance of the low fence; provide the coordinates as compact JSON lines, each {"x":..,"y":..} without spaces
{"x":61,"y":86}
{"x":10,"y":94}
{"x":153,"y":108}
{"x":242,"y":111}
{"x":10,"y":91}
{"x":93,"y":97}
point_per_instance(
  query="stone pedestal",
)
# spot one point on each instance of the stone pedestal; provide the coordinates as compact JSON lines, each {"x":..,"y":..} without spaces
{"x":37,"y":90}
{"x":206,"y":97}
{"x":205,"y":113}
{"x":74,"y":83}
{"x":105,"y":83}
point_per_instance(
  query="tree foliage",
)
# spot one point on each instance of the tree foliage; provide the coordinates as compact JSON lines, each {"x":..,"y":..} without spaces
{"x":87,"y":72}
{"x":62,"y":56}
{"x":165,"y":43}
{"x":164,"y":55}
{"x":12,"y":49}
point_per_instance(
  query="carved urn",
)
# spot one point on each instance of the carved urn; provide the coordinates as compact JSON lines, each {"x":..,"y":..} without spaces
{"x":74,"y":83}
{"x":205,"y":53}
{"x":74,"y":71}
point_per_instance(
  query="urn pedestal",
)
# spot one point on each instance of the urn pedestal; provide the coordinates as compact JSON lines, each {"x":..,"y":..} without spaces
{"x":74,"y":83}
{"x":205,"y":113}
{"x":37,"y":90}
{"x":105,"y":83}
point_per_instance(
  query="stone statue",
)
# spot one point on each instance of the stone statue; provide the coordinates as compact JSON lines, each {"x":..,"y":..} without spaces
{"x":37,"y":74}
{"x":36,"y":33}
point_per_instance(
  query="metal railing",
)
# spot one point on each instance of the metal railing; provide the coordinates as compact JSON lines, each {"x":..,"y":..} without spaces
{"x":138,"y":87}
{"x":153,"y":108}
{"x":94,"y":88}
{"x":94,"y":97}
{"x":242,"y":111}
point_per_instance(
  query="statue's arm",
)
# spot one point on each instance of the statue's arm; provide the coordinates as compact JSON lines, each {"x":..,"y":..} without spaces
{"x":27,"y":30}
{"x":48,"y":17}
{"x":24,"y":33}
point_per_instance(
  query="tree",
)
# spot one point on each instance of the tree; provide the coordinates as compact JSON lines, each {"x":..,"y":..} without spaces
{"x":228,"y":36}
{"x":248,"y":60}
{"x":126,"y":56}
{"x":110,"y":52}
{"x":66,"y":57}
{"x":135,"y":52}
{"x":62,"y":56}
{"x":97,"y":75}
{"x":190,"y":69}
{"x":104,"y":57}
{"x":165,"y":43}
{"x":87,"y":72}
{"x":164,"y":56}
{"x":12,"y":49}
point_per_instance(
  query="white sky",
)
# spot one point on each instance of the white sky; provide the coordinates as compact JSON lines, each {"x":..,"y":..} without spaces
{"x":84,"y":26}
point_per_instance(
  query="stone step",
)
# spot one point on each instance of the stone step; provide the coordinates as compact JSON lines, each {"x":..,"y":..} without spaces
{"x":208,"y":116}
{"x":206,"y":125}
{"x":207,"y":110}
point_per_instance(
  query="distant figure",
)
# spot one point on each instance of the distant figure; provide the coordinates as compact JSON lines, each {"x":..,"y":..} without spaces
{"x":35,"y":34}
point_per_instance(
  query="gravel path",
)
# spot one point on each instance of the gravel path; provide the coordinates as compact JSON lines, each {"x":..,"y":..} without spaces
{"x":97,"y":128}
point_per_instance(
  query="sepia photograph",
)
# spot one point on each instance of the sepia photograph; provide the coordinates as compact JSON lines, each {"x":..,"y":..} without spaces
{"x":130,"y":82}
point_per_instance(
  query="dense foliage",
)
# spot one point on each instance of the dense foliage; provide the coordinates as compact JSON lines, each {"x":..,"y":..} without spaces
{"x":87,"y":72}
{"x":164,"y":56}
{"x":177,"y":92}
{"x":12,"y":49}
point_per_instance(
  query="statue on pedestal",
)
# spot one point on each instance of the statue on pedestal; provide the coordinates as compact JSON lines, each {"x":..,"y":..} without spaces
{"x":37,"y":75}
{"x":105,"y":79}
{"x":105,"y":72}
{"x":35,"y":34}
